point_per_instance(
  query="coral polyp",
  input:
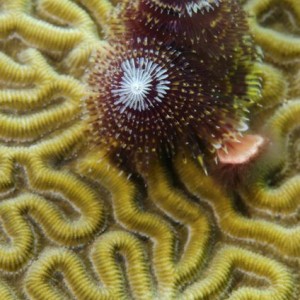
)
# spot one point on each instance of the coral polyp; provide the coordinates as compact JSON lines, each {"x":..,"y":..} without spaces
{"x":147,"y":100}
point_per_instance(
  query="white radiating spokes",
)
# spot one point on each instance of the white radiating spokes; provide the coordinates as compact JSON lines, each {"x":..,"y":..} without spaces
{"x":142,"y":83}
{"x":195,"y":6}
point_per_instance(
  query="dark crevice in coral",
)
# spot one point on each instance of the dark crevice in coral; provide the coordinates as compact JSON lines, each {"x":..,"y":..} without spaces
{"x":280,"y":18}
{"x":240,"y":206}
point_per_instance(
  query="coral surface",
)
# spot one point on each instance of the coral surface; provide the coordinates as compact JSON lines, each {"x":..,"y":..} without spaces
{"x":74,"y":226}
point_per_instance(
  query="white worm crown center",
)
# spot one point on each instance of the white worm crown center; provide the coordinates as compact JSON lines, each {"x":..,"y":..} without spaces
{"x":139,"y":77}
{"x":137,"y":87}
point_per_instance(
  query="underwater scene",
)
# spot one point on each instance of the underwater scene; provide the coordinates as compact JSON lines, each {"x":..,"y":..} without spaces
{"x":150,"y":149}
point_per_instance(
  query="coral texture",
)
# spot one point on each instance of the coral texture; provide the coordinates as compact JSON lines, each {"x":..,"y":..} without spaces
{"x":73,"y":226}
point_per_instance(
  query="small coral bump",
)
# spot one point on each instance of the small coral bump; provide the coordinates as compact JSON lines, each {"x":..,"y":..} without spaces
{"x":242,"y":150}
{"x":146,"y":100}
{"x":236,"y":157}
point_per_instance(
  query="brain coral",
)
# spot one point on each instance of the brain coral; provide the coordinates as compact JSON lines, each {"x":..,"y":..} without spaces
{"x":74,"y":226}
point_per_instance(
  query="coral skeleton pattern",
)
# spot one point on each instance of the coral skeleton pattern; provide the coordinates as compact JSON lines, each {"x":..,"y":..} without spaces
{"x":75,"y":226}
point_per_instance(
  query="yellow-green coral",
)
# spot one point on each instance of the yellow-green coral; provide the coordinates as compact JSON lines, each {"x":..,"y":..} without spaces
{"x":174,"y":233}
{"x":104,"y":260}
{"x":280,"y":45}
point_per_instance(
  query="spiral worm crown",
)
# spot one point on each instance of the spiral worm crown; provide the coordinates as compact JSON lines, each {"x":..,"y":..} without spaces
{"x":147,"y":100}
{"x":217,"y":28}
